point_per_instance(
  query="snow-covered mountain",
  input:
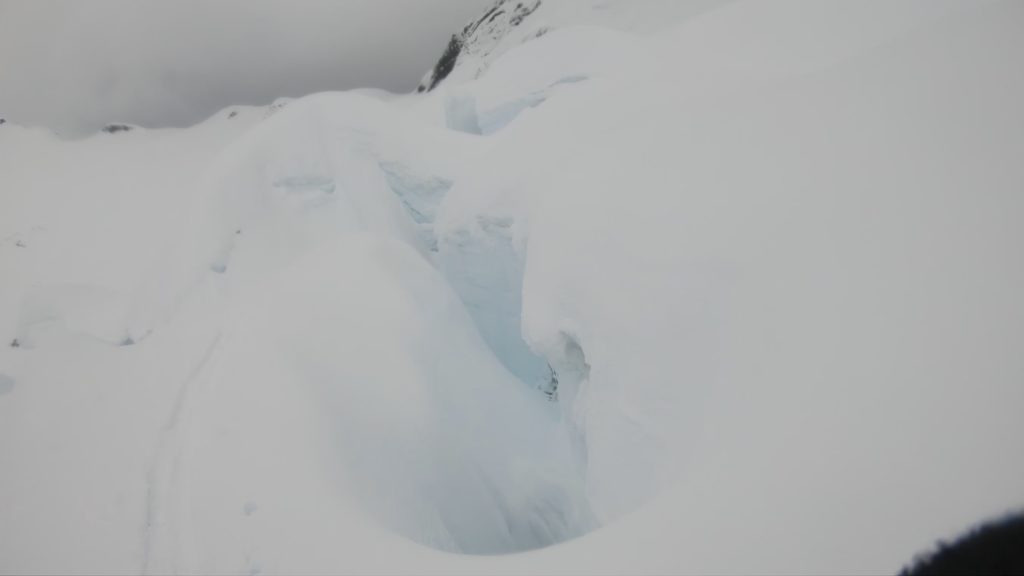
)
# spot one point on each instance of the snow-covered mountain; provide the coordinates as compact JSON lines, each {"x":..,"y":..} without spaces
{"x":511,"y":23}
{"x":637,"y":287}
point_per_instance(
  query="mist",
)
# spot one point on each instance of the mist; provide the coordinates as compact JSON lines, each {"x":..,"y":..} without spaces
{"x":76,"y":66}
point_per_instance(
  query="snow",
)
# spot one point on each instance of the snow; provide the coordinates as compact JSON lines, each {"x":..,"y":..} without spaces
{"x":671,"y":288}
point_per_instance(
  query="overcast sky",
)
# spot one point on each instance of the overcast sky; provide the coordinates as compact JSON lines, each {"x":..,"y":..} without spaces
{"x":75,"y":66}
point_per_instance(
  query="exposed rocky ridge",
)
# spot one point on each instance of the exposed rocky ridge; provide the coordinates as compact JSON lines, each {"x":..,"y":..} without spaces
{"x":479,"y":38}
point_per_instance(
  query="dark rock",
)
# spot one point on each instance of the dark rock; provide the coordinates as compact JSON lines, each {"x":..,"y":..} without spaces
{"x":115,"y":128}
{"x":473,"y":26}
{"x":552,"y":387}
{"x":522,"y":12}
{"x":490,"y":27}
{"x":995,"y":547}
{"x":446,"y":64}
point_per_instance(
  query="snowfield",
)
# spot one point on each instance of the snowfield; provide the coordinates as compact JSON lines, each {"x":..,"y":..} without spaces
{"x":641,"y":287}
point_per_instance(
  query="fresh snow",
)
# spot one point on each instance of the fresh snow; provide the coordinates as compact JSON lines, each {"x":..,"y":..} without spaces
{"x":709,"y":287}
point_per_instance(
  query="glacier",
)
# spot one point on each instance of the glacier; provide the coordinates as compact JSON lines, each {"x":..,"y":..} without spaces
{"x":663,"y":287}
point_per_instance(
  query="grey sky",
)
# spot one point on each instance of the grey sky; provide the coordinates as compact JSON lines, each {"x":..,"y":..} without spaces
{"x":75,"y":66}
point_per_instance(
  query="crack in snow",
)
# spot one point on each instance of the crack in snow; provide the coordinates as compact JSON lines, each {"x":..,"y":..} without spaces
{"x":161,"y":473}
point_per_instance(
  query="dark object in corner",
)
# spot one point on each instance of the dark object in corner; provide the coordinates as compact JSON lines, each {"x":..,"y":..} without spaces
{"x":115,"y":128}
{"x":995,"y":547}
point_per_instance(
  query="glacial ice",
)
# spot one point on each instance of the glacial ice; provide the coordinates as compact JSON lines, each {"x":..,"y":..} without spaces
{"x":728,"y":297}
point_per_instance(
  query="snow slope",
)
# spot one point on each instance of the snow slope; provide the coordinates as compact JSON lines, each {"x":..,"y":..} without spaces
{"x":671,"y":288}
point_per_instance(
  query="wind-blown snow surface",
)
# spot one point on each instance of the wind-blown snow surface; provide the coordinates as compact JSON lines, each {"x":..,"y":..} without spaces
{"x":769,"y":252}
